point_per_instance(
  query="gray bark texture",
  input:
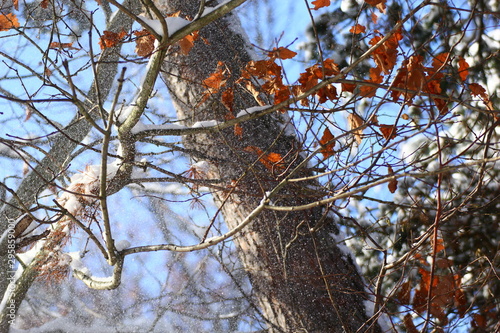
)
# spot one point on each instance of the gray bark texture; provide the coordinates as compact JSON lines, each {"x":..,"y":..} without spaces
{"x":302,"y":281}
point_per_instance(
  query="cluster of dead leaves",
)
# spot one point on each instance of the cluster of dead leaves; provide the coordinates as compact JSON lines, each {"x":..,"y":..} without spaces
{"x":268,"y":72}
{"x":110,"y":38}
{"x":445,"y":291}
{"x":385,"y":57}
{"x":217,"y":82}
{"x":414,"y":78}
{"x":144,"y":43}
{"x":8,"y":21}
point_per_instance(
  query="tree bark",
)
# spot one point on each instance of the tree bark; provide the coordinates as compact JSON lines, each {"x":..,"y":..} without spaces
{"x":302,"y":280}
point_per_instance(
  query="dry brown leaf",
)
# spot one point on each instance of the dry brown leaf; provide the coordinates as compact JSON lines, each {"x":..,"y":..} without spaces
{"x":145,"y":43}
{"x":281,"y":53}
{"x":440,"y":61}
{"x":354,"y":122}
{"x":187,"y":42}
{"x":393,"y":184}
{"x":56,"y":45}
{"x":271,"y":161}
{"x":238,"y":130}
{"x":463,"y":69}
{"x":357,"y":29}
{"x":326,"y":145}
{"x":349,"y":87}
{"x":227,"y":99}
{"x":110,"y":38}
{"x":216,"y":80}
{"x":320,"y":4}
{"x":388,"y":131}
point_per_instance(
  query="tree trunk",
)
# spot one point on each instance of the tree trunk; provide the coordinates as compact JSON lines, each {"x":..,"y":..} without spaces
{"x":302,"y":280}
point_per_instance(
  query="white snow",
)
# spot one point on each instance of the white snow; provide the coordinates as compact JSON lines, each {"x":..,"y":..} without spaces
{"x":28,"y":256}
{"x":123,"y":114}
{"x":76,"y":262}
{"x":206,"y":123}
{"x":175,"y":24}
{"x":122,"y":245}
{"x":139,"y":127}
{"x":201,"y":166}
{"x":175,"y":189}
{"x":252,"y":110}
{"x":153,"y":24}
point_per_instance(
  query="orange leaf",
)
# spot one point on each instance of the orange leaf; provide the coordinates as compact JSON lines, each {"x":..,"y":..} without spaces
{"x":367,"y":91}
{"x":214,"y":83}
{"x":355,"y":121}
{"x":385,"y":55}
{"x":56,"y":45}
{"x":463,"y":69}
{"x":358,"y":29}
{"x":282,"y":93}
{"x":348,"y":87}
{"x":217,"y":80}
{"x":326,"y":145}
{"x":434,"y":87}
{"x":281,"y":53}
{"x":320,"y":4}
{"x":187,"y":43}
{"x":16,"y":4}
{"x":393,"y":184}
{"x":478,"y":90}
{"x":8,"y":21}
{"x":228,"y":98}
{"x":45,"y":4}
{"x":270,"y":161}
{"x":374,"y":2}
{"x":379,"y":4}
{"x":327,"y":93}
{"x":175,"y":14}
{"x":274,"y":158}
{"x":439,"y":246}
{"x":145,"y":43}
{"x":375,"y":77}
{"x":238,"y":130}
{"x":440,"y":61}
{"x":388,"y":131}
{"x":110,"y":38}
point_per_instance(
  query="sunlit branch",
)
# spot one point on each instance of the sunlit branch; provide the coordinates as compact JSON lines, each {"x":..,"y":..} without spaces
{"x":109,"y":283}
{"x":103,"y":195}
{"x":207,"y":243}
